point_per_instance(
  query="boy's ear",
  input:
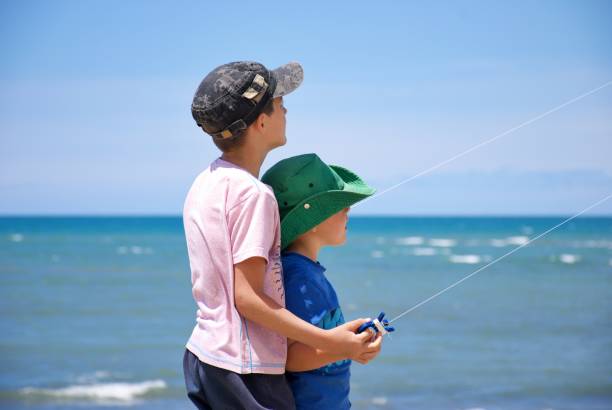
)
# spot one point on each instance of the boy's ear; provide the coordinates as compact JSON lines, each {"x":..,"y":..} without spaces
{"x":255,"y":127}
{"x":259,"y":123}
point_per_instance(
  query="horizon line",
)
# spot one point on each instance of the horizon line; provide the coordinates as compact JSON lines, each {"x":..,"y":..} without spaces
{"x":441,"y":215}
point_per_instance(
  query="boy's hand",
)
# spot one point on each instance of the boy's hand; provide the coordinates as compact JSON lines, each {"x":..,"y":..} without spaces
{"x":375,"y":345}
{"x":343,"y":340}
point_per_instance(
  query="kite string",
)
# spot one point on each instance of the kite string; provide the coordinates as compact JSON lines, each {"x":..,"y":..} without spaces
{"x":486,"y":142}
{"x":500,"y":258}
{"x":473,"y":148}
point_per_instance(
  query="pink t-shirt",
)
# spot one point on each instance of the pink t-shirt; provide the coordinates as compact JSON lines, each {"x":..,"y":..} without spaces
{"x":230,"y":216}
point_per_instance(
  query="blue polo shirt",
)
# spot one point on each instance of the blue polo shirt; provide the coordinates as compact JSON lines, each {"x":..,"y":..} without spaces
{"x":310,"y":296}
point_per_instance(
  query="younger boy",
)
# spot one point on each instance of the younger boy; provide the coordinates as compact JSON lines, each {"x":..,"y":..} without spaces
{"x":235,"y":357}
{"x":314,"y":200}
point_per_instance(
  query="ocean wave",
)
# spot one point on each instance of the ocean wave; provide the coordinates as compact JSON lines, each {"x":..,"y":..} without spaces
{"x":93,"y":377}
{"x":468,"y":259}
{"x":498,"y":243}
{"x":377,"y":254}
{"x":122,"y":392}
{"x":379,"y":401}
{"x":517,"y":240}
{"x":424,"y":251}
{"x":593,"y":243}
{"x":134,"y":250}
{"x":96,"y":376}
{"x":16,"y":237}
{"x":442,"y":242}
{"x":526,"y":230}
{"x":511,"y":240}
{"x":567,"y":258}
{"x":410,"y":240}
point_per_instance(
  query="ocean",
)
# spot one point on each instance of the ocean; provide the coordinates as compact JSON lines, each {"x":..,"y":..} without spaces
{"x":95,"y":312}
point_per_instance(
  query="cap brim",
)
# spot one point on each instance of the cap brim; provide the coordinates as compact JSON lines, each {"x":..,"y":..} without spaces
{"x":288,"y":78}
{"x":320,"y":207}
{"x":323,"y":205}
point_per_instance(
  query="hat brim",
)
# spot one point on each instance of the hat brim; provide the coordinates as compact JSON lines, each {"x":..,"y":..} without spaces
{"x":323,"y":205}
{"x":288,"y":77}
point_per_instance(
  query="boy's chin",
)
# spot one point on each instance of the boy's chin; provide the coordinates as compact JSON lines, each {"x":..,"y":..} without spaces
{"x":280,"y":142}
{"x":340,"y":241}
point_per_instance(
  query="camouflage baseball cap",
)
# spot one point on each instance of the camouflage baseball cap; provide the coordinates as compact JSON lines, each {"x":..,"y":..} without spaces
{"x":231,"y":96}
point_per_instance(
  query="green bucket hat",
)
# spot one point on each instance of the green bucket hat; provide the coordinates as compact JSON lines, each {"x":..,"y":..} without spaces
{"x":309,"y":191}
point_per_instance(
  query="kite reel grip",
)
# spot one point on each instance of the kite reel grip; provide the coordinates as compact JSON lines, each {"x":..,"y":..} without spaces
{"x":379,"y":324}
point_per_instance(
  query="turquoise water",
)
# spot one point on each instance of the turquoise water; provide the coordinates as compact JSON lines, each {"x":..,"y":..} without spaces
{"x":95,"y":312}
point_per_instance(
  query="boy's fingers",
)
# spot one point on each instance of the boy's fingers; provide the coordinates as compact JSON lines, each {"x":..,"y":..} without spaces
{"x":375,"y":345}
{"x":353,"y":325}
{"x":367,"y":356}
{"x":364,"y":337}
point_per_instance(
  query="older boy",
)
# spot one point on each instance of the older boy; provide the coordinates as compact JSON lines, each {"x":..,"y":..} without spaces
{"x":235,"y":357}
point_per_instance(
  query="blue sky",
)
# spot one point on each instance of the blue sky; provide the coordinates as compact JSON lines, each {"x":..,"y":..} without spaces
{"x":94,"y":109}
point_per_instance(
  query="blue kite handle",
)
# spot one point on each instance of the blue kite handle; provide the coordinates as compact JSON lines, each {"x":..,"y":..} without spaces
{"x":365,"y":326}
{"x":370,"y":324}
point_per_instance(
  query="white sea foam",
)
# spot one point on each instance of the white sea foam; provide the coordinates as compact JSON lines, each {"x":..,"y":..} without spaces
{"x":499,"y":243}
{"x":511,"y":240}
{"x":594,"y":243}
{"x":423,"y":251}
{"x":469,"y":259}
{"x":16,"y":237}
{"x":101,"y":391}
{"x":442,"y":242}
{"x":569,"y":258}
{"x":379,"y":401}
{"x":410,"y":240}
{"x":377,"y":254}
{"x":91,"y":378}
{"x":517,"y":240}
{"x":134,"y":250}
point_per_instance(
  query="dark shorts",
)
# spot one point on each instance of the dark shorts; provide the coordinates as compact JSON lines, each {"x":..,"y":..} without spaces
{"x":210,"y":387}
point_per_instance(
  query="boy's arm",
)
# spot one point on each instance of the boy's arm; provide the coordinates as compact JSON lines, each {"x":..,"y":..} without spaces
{"x":301,"y":357}
{"x":255,"y":305}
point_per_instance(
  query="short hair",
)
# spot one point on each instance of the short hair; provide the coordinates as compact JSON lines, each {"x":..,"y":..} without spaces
{"x":236,"y":141}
